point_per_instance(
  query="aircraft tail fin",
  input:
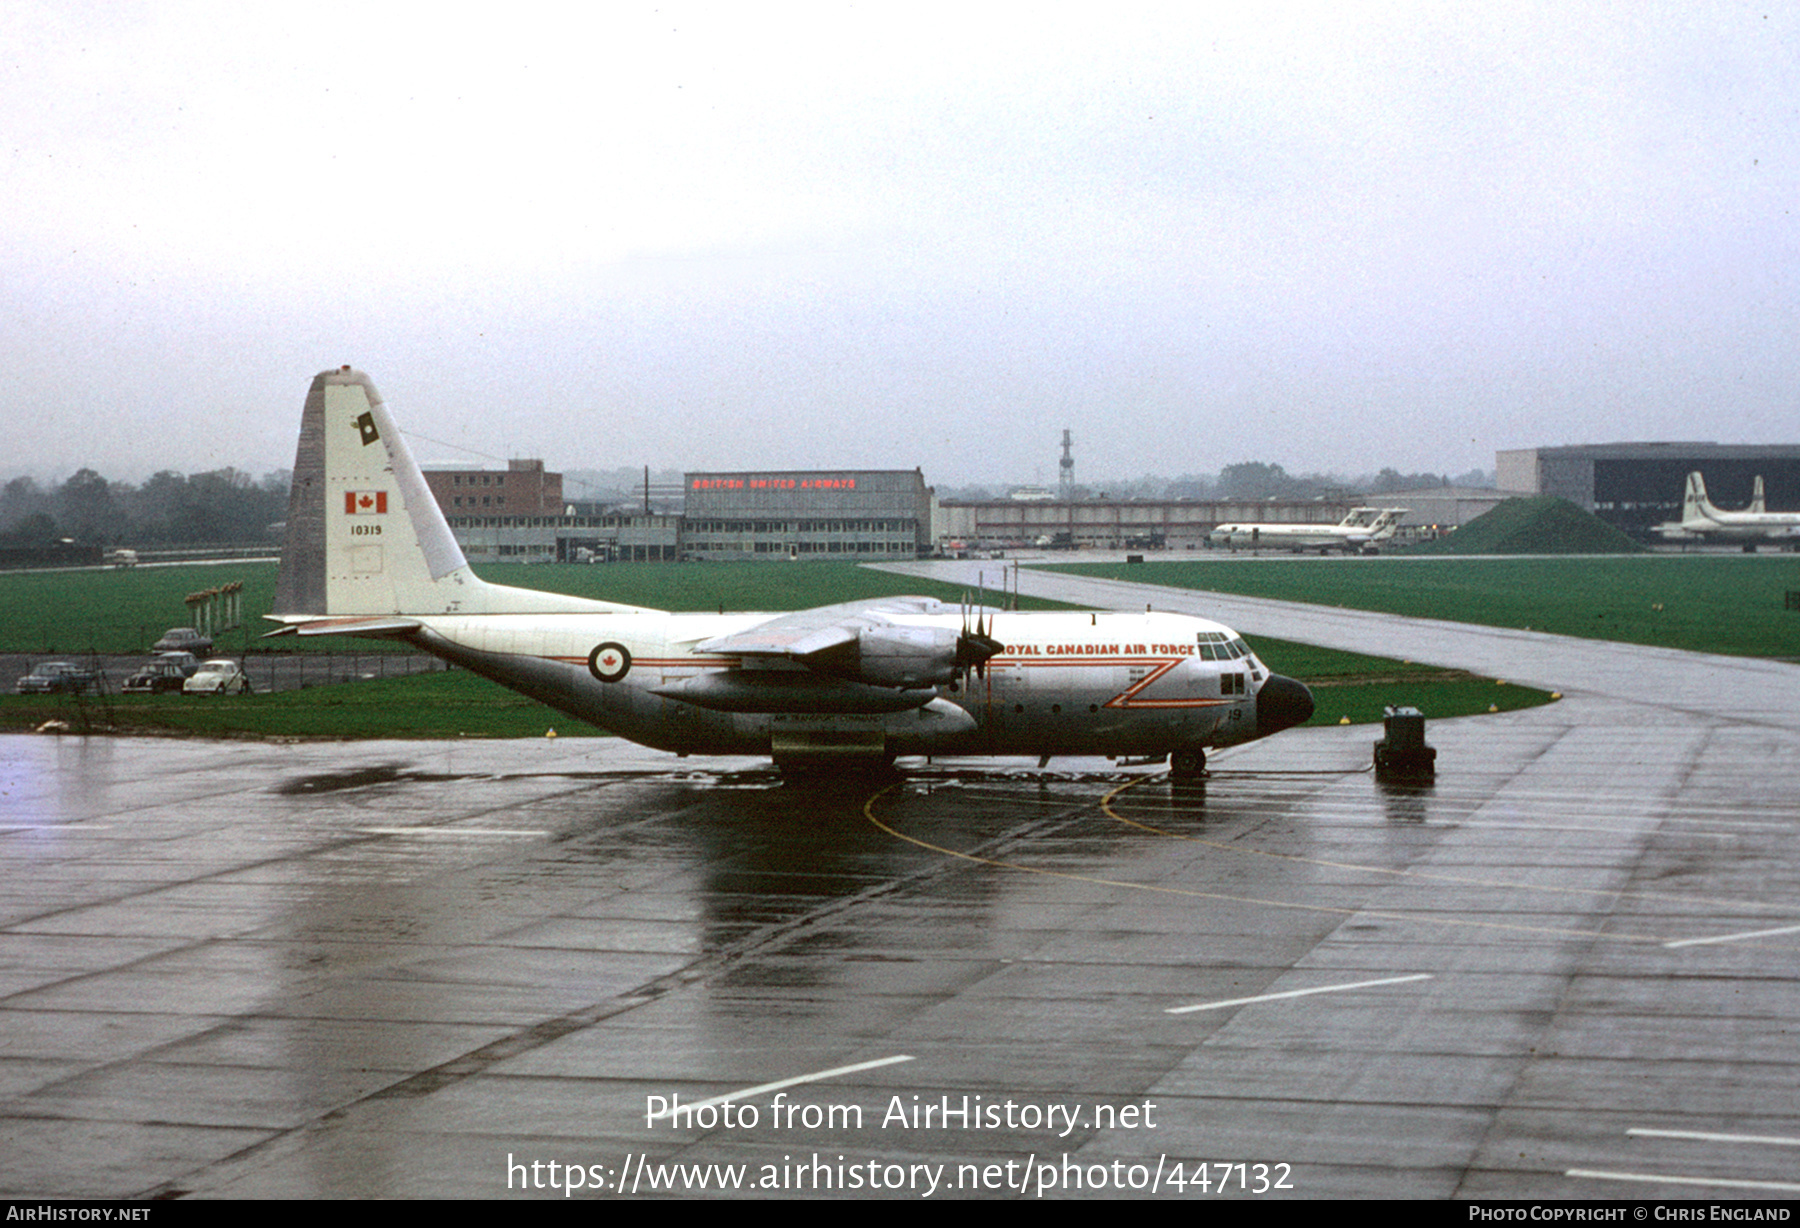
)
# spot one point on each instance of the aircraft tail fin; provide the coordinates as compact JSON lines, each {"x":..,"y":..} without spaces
{"x":1757,"y":507}
{"x":1696,"y":506}
{"x":365,"y":537}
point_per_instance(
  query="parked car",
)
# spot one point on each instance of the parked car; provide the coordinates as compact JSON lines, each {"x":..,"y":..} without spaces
{"x":162,"y":674}
{"x":186,"y":662}
{"x":218,"y":677}
{"x":58,"y":677}
{"x":183,"y":639}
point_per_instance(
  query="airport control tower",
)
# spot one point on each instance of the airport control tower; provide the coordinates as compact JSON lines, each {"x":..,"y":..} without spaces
{"x":1065,"y":483}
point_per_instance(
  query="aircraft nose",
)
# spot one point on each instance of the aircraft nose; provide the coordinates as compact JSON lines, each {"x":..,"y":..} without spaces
{"x":1281,"y":704}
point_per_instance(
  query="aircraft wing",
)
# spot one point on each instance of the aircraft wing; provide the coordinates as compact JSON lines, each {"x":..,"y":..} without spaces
{"x":856,"y":656}
{"x":807,"y":633}
{"x":793,"y":636}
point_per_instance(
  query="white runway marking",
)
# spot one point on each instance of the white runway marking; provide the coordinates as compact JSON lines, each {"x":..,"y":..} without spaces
{"x":1297,"y":993}
{"x":762,"y":1088}
{"x":1786,"y":1187}
{"x":1704,"y":1136}
{"x":1700,"y":942}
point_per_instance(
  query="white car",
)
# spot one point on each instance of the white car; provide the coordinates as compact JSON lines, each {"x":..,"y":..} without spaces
{"x":219,"y":677}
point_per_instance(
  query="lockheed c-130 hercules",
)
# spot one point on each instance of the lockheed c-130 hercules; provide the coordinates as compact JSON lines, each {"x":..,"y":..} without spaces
{"x":369,"y":553}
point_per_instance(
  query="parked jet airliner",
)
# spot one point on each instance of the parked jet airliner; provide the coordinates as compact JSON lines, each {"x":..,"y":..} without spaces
{"x":368,"y":553}
{"x":1362,"y":530}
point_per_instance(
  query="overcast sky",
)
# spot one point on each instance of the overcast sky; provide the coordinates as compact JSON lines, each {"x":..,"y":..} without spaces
{"x":1332,"y":237}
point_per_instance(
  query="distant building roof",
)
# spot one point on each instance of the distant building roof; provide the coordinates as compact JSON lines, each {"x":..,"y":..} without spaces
{"x":1444,"y":506}
{"x":1662,"y":450}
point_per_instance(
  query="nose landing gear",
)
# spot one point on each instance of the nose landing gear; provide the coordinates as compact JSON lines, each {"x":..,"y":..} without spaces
{"x":1188,"y":765}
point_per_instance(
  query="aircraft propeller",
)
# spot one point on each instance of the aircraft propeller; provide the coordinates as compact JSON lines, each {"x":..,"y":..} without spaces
{"x":974,"y":647}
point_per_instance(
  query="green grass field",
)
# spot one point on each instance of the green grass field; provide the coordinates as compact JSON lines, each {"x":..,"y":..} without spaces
{"x":1702,"y":603}
{"x":122,"y":611}
{"x":727,"y":586}
{"x":1350,"y":684}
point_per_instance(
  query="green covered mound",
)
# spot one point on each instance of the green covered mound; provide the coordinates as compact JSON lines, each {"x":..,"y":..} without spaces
{"x":1542,"y":524}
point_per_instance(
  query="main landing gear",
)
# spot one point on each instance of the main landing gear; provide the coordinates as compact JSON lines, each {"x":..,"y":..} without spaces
{"x":1188,"y":765}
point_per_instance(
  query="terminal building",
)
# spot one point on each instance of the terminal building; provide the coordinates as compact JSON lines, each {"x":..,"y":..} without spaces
{"x":870,"y":515}
{"x":1634,"y":486}
{"x":518,"y":515}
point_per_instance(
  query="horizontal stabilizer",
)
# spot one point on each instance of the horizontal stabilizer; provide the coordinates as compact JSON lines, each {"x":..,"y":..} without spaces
{"x":375,"y":628}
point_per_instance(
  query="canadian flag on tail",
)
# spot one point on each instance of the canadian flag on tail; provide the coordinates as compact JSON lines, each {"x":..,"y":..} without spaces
{"x":365,"y":502}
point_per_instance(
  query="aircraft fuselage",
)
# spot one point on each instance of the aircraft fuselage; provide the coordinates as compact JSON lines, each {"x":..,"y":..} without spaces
{"x":1102,"y":683}
{"x":1363,"y":529}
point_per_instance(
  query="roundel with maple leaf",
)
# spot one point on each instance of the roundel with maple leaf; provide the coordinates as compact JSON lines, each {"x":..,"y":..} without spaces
{"x":609,"y":662}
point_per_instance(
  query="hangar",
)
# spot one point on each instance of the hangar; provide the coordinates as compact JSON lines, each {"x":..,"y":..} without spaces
{"x":1634,"y":486}
{"x":1431,"y":508}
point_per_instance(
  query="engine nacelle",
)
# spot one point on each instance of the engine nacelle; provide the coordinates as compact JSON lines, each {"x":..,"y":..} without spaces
{"x":906,"y":656}
{"x":899,"y":657}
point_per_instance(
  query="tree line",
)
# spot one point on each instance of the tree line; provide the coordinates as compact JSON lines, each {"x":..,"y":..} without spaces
{"x":219,"y":507}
